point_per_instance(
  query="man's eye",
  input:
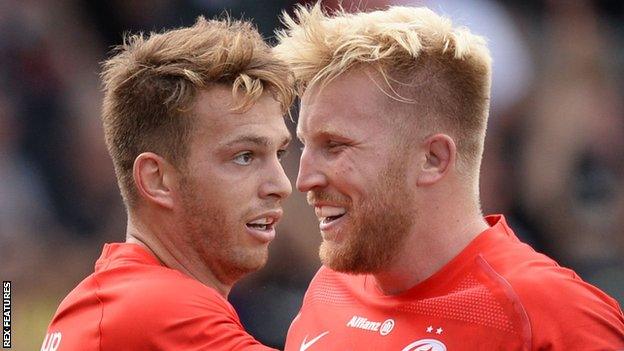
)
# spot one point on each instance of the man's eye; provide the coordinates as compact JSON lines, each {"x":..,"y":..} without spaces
{"x":334,"y":146}
{"x":243,"y":159}
{"x":281,"y":154}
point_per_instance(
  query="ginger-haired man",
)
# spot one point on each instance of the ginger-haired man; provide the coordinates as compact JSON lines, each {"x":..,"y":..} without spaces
{"x":193,"y":120}
{"x":394,"y":106}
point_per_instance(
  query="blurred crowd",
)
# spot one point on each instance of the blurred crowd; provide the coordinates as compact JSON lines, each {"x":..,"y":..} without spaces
{"x":554,"y":154}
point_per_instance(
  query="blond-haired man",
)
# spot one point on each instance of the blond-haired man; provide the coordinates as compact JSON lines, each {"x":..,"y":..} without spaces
{"x":393,"y":115}
{"x":193,"y":120}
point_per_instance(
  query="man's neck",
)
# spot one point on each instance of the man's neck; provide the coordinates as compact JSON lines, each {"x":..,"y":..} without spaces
{"x":166,"y":251}
{"x":426,"y":252}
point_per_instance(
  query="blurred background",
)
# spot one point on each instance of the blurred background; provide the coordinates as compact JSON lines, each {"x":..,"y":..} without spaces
{"x":554,"y":156}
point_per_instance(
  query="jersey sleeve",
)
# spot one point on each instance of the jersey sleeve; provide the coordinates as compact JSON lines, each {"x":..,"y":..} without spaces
{"x":566,"y":313}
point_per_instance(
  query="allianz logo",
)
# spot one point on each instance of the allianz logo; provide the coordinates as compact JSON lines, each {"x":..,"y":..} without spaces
{"x":384,"y":328}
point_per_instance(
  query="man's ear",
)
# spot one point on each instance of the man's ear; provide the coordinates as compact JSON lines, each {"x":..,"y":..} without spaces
{"x":154,"y":178}
{"x":440,"y":155}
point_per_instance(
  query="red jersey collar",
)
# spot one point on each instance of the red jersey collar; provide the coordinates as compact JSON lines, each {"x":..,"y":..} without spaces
{"x":125,"y":252}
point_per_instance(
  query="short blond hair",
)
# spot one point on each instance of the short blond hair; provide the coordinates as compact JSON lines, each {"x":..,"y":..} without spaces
{"x":151,"y":83}
{"x":424,"y":61}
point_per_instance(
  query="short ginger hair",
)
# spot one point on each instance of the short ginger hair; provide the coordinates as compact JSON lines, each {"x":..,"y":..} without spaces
{"x":437,"y":75}
{"x":151,"y":82}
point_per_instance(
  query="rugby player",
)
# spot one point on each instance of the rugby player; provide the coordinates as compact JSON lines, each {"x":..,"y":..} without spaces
{"x":394,"y":108}
{"x":193,"y":121}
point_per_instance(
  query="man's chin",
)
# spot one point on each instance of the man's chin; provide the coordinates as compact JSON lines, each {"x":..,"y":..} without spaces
{"x":345,"y":258}
{"x":256,"y":260}
{"x":338,"y":257}
{"x":239,"y":263}
{"x":258,"y":265}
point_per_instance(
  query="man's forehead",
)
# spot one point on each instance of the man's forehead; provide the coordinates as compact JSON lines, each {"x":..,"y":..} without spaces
{"x":216,"y":99}
{"x":322,"y":113}
{"x":336,"y":119}
{"x":213,"y":111}
{"x":349,"y":99}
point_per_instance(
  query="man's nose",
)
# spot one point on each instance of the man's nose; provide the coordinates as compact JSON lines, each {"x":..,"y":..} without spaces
{"x":310,"y":174}
{"x":278,"y":185}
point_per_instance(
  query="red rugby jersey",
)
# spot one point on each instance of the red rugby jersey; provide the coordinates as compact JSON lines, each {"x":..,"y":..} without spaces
{"x":497,"y":294}
{"x":132,"y":302}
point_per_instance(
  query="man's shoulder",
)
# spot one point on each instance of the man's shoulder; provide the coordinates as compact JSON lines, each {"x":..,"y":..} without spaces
{"x":555,"y":300}
{"x":147,"y":303}
{"x":156,"y":290}
{"x":148,"y":293}
{"x":129,"y":306}
{"x":536,"y":278}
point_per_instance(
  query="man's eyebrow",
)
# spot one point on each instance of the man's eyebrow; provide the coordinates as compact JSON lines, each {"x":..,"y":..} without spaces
{"x":328,"y":132}
{"x":256,"y":139}
{"x":323,"y":132}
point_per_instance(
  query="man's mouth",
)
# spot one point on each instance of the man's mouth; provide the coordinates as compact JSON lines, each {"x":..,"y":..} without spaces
{"x":328,"y":214}
{"x":264,"y":224}
{"x":262,"y":227}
